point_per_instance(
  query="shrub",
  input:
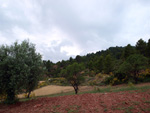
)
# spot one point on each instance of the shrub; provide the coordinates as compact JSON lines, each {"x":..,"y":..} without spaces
{"x":92,"y":82}
{"x":130,"y":84}
{"x":42,"y":84}
{"x":3,"y":97}
{"x":32,"y":95}
{"x":108,"y":79}
{"x":58,"y":81}
{"x":99,"y":75}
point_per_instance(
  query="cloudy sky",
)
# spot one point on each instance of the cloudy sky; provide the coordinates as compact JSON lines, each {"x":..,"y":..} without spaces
{"x":64,"y":28}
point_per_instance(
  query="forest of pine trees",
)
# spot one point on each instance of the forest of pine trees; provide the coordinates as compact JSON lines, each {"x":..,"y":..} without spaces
{"x":123,"y":64}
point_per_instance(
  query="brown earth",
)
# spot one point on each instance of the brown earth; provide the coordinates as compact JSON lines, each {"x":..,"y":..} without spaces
{"x":114,"y":102}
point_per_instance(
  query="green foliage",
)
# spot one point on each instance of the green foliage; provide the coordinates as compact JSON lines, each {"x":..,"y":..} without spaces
{"x":144,"y":76}
{"x":78,"y":59}
{"x":97,"y":80}
{"x":108,"y":79}
{"x":108,"y":64}
{"x":92,"y":82}
{"x":32,"y":95}
{"x":19,"y":69}
{"x":34,"y":67}
{"x":133,"y":65}
{"x":128,"y":50}
{"x":148,"y":50}
{"x":42,"y":84}
{"x":3,"y":96}
{"x":73,"y":73}
{"x":141,"y":47}
{"x":130,"y":84}
{"x":113,"y":60}
{"x":100,"y":64}
{"x":58,"y":81}
{"x":49,"y":66}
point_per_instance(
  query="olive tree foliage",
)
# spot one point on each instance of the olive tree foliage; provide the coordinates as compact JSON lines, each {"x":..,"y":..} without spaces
{"x":20,"y":67}
{"x":73,"y":73}
{"x":34,"y":67}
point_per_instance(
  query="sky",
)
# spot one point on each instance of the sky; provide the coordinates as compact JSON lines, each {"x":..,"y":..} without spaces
{"x":61,"y":29}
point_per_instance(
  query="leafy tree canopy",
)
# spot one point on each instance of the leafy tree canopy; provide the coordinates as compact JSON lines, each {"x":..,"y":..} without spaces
{"x":73,"y":73}
{"x":20,"y":67}
{"x":133,"y":65}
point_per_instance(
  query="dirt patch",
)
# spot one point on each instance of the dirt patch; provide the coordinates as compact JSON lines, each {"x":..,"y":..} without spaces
{"x":53,"y":89}
{"x":120,"y":102}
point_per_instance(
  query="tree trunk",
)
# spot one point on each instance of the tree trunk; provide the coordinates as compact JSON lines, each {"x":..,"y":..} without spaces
{"x":135,"y":77}
{"x":29,"y":94}
{"x":136,"y":80}
{"x":76,"y":89}
{"x":10,"y":96}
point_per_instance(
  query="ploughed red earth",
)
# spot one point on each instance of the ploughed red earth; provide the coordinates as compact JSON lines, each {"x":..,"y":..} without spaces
{"x":113,"y":102}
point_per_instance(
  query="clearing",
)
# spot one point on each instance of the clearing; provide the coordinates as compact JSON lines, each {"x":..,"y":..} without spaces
{"x":53,"y":89}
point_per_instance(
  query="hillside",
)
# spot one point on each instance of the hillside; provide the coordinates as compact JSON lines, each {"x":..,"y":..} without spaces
{"x":121,"y":64}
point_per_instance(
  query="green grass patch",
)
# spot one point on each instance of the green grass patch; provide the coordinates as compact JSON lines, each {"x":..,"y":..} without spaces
{"x":126,"y":109}
{"x":147,"y":102}
{"x":55,"y":108}
{"x":119,"y":89}
{"x":145,"y":109}
{"x":73,"y":109}
{"x":119,"y":108}
{"x":51,"y":95}
{"x":105,"y":109}
{"x":136,"y":103}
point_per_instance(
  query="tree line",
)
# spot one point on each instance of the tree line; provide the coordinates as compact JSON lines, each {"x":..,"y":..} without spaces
{"x":21,"y":67}
{"x":123,"y":63}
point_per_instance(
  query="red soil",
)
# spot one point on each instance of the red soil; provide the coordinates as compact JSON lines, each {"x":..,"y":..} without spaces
{"x":120,"y":102}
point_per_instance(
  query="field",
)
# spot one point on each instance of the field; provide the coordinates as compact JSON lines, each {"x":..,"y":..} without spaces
{"x":111,"y":99}
{"x":53,"y":89}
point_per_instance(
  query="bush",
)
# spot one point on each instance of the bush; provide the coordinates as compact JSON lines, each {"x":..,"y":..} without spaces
{"x":144,"y":76}
{"x":92,"y":82}
{"x":32,"y":95}
{"x":58,"y":81}
{"x":42,"y":84}
{"x":97,"y":89}
{"x":130,"y":84}
{"x":3,"y":97}
{"x":99,"y":75}
{"x":108,"y":79}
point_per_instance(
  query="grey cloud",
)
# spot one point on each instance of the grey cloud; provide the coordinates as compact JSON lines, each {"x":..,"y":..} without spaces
{"x":89,"y":25}
{"x":53,"y":53}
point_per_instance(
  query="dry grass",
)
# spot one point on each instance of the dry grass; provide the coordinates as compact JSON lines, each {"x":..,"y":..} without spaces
{"x":53,"y":89}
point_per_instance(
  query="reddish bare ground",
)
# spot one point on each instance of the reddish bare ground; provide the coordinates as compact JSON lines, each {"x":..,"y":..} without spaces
{"x":120,"y":102}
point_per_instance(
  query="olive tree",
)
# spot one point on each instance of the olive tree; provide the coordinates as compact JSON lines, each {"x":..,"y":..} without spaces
{"x":20,"y":67}
{"x":34,"y":67}
{"x":74,"y":75}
